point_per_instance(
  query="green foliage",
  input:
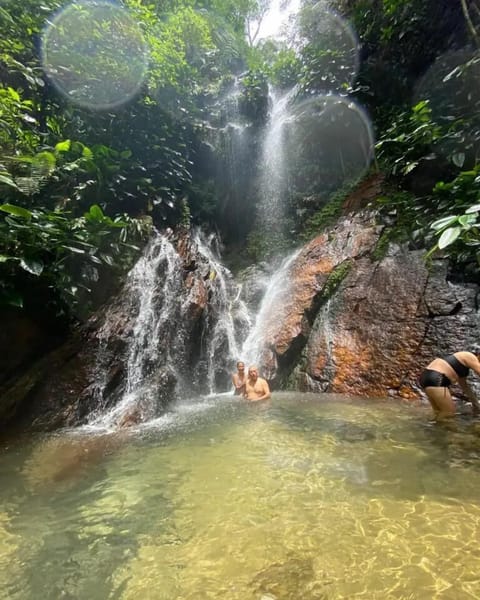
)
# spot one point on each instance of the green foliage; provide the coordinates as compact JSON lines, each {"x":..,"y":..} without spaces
{"x":254,"y":99}
{"x":17,"y":121}
{"x":65,"y":252}
{"x":415,"y":219}
{"x":285,"y":68}
{"x":400,"y":40}
{"x":58,"y":160}
{"x":407,"y":217}
{"x":382,"y":245}
{"x":408,"y":141}
{"x":458,"y":233}
{"x":335,"y":278}
{"x":327,"y":215}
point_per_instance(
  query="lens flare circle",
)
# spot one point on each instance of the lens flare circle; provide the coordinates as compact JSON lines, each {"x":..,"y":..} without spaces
{"x":324,"y":34}
{"x":452,"y":88}
{"x":336,"y":135}
{"x":451,"y":85}
{"x":94,"y":53}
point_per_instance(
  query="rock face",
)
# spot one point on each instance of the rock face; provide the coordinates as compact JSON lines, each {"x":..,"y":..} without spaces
{"x":350,"y":322}
{"x":90,"y":372}
{"x":347,"y":317}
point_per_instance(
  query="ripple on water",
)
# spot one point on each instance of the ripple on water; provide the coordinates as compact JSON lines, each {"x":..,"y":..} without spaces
{"x":317,"y":500}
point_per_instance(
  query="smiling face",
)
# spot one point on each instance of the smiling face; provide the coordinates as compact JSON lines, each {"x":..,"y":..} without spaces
{"x":253,"y":373}
{"x":241,"y":368}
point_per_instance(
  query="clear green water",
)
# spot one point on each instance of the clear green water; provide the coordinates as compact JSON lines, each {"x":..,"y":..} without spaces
{"x":309,"y":497}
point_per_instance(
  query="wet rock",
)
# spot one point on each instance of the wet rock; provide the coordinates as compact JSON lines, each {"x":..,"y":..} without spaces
{"x":356,"y":324}
{"x":89,"y":372}
{"x":253,"y":281}
{"x":312,"y":279}
{"x":285,"y":581}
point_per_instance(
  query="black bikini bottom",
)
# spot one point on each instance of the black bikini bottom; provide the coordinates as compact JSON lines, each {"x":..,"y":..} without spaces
{"x":431,"y":378}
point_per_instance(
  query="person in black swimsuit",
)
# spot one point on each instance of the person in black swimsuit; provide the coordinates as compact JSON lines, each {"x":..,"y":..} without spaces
{"x":441,"y":373}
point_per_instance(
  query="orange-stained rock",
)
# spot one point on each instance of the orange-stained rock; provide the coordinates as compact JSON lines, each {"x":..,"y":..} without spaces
{"x":376,"y":332}
{"x":292,"y":315}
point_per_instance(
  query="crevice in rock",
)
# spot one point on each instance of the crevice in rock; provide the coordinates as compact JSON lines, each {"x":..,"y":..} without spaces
{"x":456,"y":309}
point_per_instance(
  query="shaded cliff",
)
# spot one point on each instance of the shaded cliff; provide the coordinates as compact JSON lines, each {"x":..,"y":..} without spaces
{"x":149,"y":350}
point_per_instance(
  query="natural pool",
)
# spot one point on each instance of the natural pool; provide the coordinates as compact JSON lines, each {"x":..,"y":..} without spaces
{"x":307,"y":497}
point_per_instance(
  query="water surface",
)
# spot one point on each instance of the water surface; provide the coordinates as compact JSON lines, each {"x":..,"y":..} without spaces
{"x":307,"y":497}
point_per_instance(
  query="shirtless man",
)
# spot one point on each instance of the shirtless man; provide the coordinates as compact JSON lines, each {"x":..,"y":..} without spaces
{"x":256,"y":388}
{"x":239,"y":378}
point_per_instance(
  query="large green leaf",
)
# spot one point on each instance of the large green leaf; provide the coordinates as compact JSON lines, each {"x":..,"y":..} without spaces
{"x":63,"y":146}
{"x":444,"y":222}
{"x":33,"y":266}
{"x":74,"y":249}
{"x":467,"y":220}
{"x":473,"y":209}
{"x":448,"y":237}
{"x":95,"y":213}
{"x":7,"y":180}
{"x":458,"y":159}
{"x":18,"y":211}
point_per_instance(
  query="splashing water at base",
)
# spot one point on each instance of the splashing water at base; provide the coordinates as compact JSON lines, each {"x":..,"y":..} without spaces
{"x":312,"y":496}
{"x":220,"y":322}
{"x":153,"y":292}
{"x":165,"y":352}
{"x":94,"y":54}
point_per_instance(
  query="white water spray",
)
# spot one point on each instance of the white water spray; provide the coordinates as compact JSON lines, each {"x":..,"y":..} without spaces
{"x":270,"y":313}
{"x":273,"y":175}
{"x":151,"y":293}
{"x":222,"y":315}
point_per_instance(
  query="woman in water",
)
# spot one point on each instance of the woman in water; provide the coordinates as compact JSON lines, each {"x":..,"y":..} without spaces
{"x":441,"y":373}
{"x":239,"y":379}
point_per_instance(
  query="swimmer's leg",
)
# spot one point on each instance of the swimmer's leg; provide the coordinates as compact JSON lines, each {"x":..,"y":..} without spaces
{"x":441,"y":401}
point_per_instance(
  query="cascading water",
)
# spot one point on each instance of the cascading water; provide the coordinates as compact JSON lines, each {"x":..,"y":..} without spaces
{"x":183,"y":329}
{"x":235,"y":162}
{"x":273,"y":185}
{"x":151,"y":294}
{"x":233,"y":134}
{"x":255,"y":347}
{"x":226,"y":316}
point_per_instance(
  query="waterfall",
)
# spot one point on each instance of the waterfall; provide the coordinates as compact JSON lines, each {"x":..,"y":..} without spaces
{"x":271,"y":311}
{"x":226,"y":316}
{"x":233,"y":136}
{"x":153,"y":312}
{"x":181,"y":317}
{"x":234,"y":160}
{"x":152,"y":295}
{"x":273,"y":175}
